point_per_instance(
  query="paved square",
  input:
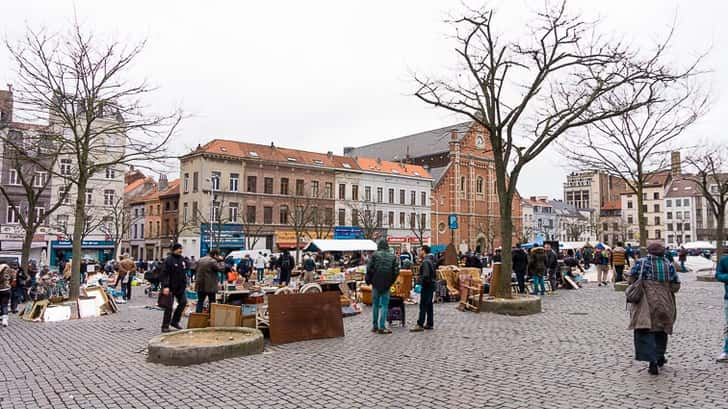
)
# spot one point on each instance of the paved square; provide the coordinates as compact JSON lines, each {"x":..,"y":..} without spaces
{"x":577,"y":354}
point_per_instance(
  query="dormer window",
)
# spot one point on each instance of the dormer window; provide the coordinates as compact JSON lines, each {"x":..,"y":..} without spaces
{"x":316,"y":161}
{"x":346,"y":165}
{"x":480,"y":142}
{"x":291,"y":159}
{"x":253,"y":154}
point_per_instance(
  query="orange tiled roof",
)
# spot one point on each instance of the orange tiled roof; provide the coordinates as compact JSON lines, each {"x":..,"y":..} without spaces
{"x":172,"y":189}
{"x":613,"y":205}
{"x":254,"y":151}
{"x":388,"y":167}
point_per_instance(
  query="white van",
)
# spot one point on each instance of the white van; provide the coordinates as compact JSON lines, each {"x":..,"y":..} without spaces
{"x":234,"y":257}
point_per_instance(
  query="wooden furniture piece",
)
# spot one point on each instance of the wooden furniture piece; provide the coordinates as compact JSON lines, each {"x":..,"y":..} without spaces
{"x":301,"y":317}
{"x":366,"y":294}
{"x":198,"y":320}
{"x":222,"y":315}
{"x":403,"y":285}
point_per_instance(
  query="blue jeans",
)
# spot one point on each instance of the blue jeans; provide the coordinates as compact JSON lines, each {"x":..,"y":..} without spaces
{"x":682,"y":266}
{"x":260,"y":272}
{"x":426,"y":318}
{"x":380,"y":300}
{"x":725,"y":330}
{"x":538,"y":281}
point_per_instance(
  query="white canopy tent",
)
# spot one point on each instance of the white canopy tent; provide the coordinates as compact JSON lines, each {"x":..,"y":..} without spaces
{"x":341,"y":245}
{"x":699,"y":245}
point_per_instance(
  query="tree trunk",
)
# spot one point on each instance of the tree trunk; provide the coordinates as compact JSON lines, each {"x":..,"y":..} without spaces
{"x":641,"y":222}
{"x":720,"y":235}
{"x":74,"y":288}
{"x":502,"y":283}
{"x":27,"y":243}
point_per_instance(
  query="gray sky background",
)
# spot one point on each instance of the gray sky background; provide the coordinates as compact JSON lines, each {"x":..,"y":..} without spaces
{"x":321,"y":75}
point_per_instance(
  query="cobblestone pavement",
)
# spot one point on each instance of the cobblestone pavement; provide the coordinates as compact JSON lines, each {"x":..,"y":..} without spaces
{"x":577,"y":353}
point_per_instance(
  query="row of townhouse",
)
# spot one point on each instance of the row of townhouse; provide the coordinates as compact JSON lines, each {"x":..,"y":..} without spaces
{"x":555,"y":220}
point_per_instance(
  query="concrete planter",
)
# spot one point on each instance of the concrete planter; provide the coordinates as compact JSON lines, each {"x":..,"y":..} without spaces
{"x":706,"y":277}
{"x":621,"y":286}
{"x":195,"y":346}
{"x":523,"y":305}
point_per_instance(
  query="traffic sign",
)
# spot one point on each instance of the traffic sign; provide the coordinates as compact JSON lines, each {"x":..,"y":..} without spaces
{"x":453,"y":221}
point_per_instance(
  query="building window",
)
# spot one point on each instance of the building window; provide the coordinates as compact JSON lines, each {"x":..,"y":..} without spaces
{"x":315,"y":188}
{"x":268,"y":186}
{"x":629,"y":204}
{"x":657,"y":220}
{"x":12,"y":215}
{"x":250,"y":214}
{"x":252,"y":184}
{"x":195,"y":212}
{"x":215,"y":212}
{"x":401,"y":196}
{"x":657,"y":208}
{"x":89,"y":196}
{"x":63,"y":193}
{"x":423,"y":199}
{"x":329,"y":190}
{"x":215,"y":180}
{"x":342,"y":217}
{"x":354,"y":217}
{"x":186,"y":183}
{"x":630,"y":219}
{"x":328,"y":216}
{"x":135,"y":230}
{"x":391,"y":196}
{"x":644,"y":208}
{"x":479,"y":185}
{"x":678,"y":215}
{"x":441,"y":227}
{"x":401,"y":220}
{"x":669,"y":215}
{"x":462,"y":184}
{"x":687,"y":227}
{"x":354,"y":192}
{"x":234,"y":182}
{"x":233,"y":212}
{"x":368,"y":194}
{"x":66,"y":167}
{"x":110,"y":173}
{"x":423,"y":221}
{"x":62,"y":221}
{"x":39,"y":179}
{"x":656,"y":196}
{"x":413,"y":220}
{"x":342,"y":191}
{"x":195,"y":181}
{"x":159,"y":230}
{"x":300,"y":187}
{"x":686,"y":202}
{"x":390,"y":219}
{"x":380,"y":195}
{"x":184,"y":213}
{"x":380,"y":218}
{"x":284,"y":186}
{"x":658,"y":233}
{"x":284,"y":214}
{"x":267,"y":215}
{"x":413,"y":198}
{"x":668,"y":203}
{"x":669,"y":227}
{"x":13,"y":177}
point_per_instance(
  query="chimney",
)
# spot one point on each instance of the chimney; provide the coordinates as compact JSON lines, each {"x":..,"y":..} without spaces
{"x":272,"y":145}
{"x":676,"y":166}
{"x":163,"y":185}
{"x":330,"y":154}
{"x":454,"y":135}
{"x":379,"y":161}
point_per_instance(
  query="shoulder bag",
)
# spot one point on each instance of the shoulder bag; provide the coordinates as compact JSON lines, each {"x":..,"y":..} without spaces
{"x":636,"y":290}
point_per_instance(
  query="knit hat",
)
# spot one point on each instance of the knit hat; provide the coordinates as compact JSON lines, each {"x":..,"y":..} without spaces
{"x":656,"y":248}
{"x":176,"y":246}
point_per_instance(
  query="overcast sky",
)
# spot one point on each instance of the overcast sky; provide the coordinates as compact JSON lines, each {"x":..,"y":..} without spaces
{"x":321,"y":75}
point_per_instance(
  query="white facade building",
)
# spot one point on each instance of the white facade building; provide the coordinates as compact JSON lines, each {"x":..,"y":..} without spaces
{"x":391,"y":197}
{"x":654,"y":209}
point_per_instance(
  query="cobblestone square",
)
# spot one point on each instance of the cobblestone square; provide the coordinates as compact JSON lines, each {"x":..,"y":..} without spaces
{"x":576,"y":354}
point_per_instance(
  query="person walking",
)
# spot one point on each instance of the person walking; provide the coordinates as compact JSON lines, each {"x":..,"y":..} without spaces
{"x":587,"y":253}
{"x":601,"y":259}
{"x":260,"y":267}
{"x":7,"y":276}
{"x":630,"y":253}
{"x":19,"y":292}
{"x":286,"y":264}
{"x":208,"y":269}
{"x":721,"y":274}
{"x":520,"y":267}
{"x":244,"y":266}
{"x":652,"y":317}
{"x":127,"y":267}
{"x":537,"y":269}
{"x":619,"y":260}
{"x":552,"y":267}
{"x":428,"y":277}
{"x":382,"y":271}
{"x":682,"y":257}
{"x":174,"y":284}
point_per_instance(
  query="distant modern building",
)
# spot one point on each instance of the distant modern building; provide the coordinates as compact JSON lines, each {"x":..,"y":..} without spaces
{"x":653,"y":204}
{"x":463,"y":172}
{"x":544,"y":221}
{"x":684,"y":212}
{"x":591,"y":189}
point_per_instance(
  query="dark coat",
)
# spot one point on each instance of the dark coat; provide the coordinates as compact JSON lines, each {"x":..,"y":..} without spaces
{"x":656,"y":311}
{"x":537,"y":262}
{"x":207,"y":279}
{"x":520,"y":261}
{"x":552,"y":261}
{"x":173,"y":274}
{"x":383,"y":268}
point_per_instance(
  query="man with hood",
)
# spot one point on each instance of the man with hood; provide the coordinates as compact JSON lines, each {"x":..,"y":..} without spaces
{"x":537,"y":269}
{"x":520,"y":267}
{"x":382,"y":271}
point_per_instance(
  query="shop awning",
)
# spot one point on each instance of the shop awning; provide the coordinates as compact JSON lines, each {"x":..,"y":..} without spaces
{"x":699,"y":245}
{"x":341,"y":245}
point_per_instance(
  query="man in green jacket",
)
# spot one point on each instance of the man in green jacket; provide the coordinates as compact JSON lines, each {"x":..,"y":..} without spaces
{"x":721,"y":274}
{"x":382,"y":271}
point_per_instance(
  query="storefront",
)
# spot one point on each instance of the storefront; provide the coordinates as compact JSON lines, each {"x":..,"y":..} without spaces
{"x":226,"y":237}
{"x":286,"y":239}
{"x":97,"y":250}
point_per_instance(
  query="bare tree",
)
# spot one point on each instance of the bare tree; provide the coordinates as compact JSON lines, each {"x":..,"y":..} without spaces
{"x":27,"y":155}
{"x":711,"y":175}
{"x":489,"y":230}
{"x":369,"y":218}
{"x":420,"y":227}
{"x":251,"y":230}
{"x":523,"y":95}
{"x":82,"y":86}
{"x":116,"y":223}
{"x":322,"y":223}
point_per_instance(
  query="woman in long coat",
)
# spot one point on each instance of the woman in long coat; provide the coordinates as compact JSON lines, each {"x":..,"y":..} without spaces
{"x":653,"y":317}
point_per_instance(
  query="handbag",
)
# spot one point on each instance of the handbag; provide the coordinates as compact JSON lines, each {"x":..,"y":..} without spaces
{"x":635,"y":291}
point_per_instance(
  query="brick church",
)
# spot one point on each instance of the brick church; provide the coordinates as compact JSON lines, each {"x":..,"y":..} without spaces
{"x":461,"y":164}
